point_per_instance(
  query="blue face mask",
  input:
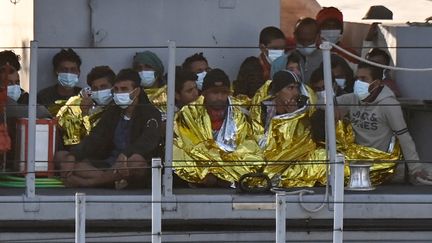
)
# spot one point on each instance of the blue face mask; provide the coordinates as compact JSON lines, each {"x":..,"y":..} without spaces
{"x":14,"y":91}
{"x":274,"y":54}
{"x":102,"y":97}
{"x":341,"y":82}
{"x":147,"y":78}
{"x":68,"y":80}
{"x":361,"y":89}
{"x":123,"y":99}
{"x":306,"y":50}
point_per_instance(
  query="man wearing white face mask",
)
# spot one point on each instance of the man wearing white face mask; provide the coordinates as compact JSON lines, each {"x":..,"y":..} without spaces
{"x":127,"y":135}
{"x":330,"y":23}
{"x":305,"y":34}
{"x":14,"y":90}
{"x":82,"y":112}
{"x":272,"y":44}
{"x":151,"y":71}
{"x":376,"y":117}
{"x":197,"y":64}
{"x":66,"y":64}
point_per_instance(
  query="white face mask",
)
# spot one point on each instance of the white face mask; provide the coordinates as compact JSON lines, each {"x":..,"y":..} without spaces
{"x":14,"y":91}
{"x":200,"y":79}
{"x":123,"y":99}
{"x":333,"y":36}
{"x":321,"y":99}
{"x":274,"y":54}
{"x":68,"y":80}
{"x":341,"y":82}
{"x":147,"y":78}
{"x":102,"y":97}
{"x":361,"y":89}
{"x":306,"y":50}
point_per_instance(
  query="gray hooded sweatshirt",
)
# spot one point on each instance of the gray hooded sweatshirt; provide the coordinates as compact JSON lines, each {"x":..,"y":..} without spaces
{"x":375,"y":123}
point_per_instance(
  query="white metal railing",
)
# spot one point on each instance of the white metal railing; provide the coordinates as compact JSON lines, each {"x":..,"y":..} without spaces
{"x":31,"y":148}
{"x":156,"y":201}
{"x":167,"y":177}
{"x":80,"y":217}
{"x":337,"y":168}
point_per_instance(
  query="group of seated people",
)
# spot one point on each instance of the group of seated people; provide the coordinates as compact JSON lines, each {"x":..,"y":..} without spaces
{"x":269,"y":121}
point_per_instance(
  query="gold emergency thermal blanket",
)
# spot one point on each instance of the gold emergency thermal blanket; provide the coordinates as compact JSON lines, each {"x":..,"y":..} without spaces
{"x":74,"y":124}
{"x":198,"y":152}
{"x":286,"y":141}
{"x":158,"y":97}
{"x":284,"y":150}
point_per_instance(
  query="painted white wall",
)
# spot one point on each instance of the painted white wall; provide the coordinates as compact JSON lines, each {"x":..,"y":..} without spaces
{"x":120,"y":25}
{"x":16,"y":31}
{"x":416,"y":85}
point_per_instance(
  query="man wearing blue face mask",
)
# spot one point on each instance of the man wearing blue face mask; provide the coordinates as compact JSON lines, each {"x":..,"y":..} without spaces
{"x":127,"y":135}
{"x":82,"y":112}
{"x":14,"y":90}
{"x":66,"y":64}
{"x":376,"y":118}
{"x":272,"y":44}
{"x":305,"y":34}
{"x":151,"y":71}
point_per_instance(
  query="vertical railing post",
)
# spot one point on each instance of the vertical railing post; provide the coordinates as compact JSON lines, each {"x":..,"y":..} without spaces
{"x":30,"y":175}
{"x":338,"y":199}
{"x":331,"y":137}
{"x":156,"y":201}
{"x":80,"y":217}
{"x":280,"y":218}
{"x":167,"y":177}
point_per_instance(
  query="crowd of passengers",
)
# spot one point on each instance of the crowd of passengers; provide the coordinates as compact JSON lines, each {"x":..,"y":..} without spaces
{"x":268,"y":121}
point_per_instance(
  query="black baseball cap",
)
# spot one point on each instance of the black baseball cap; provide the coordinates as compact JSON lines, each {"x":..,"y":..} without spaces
{"x":216,"y":78}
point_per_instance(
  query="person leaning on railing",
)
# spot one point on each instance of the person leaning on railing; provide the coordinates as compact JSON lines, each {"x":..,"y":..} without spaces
{"x":121,"y":146}
{"x":376,"y":117}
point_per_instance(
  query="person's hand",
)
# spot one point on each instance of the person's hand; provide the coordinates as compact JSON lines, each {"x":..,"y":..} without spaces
{"x":421,"y":177}
{"x":339,"y":113}
{"x":372,"y":34}
{"x":86,"y":102}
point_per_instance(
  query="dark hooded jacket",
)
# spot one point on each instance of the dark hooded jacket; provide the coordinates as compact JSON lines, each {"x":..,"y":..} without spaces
{"x":144,"y":138}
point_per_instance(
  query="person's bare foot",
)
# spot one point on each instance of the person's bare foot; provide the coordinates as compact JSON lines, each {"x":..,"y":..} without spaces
{"x":211,"y":180}
{"x":73,"y":181}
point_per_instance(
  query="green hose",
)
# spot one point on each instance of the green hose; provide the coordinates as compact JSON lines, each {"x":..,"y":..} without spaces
{"x":21,"y":185}
{"x":17,"y":181}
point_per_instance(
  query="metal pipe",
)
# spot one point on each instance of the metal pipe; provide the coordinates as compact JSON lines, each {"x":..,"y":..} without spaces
{"x":156,"y":200}
{"x":167,"y":176}
{"x":280,"y":218}
{"x":330,"y":124}
{"x":31,"y":150}
{"x":80,"y":217}
{"x":331,"y":131}
{"x":338,"y":212}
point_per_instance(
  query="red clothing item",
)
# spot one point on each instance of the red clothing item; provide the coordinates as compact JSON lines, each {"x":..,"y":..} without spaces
{"x":266,"y":66}
{"x":217,"y":118}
